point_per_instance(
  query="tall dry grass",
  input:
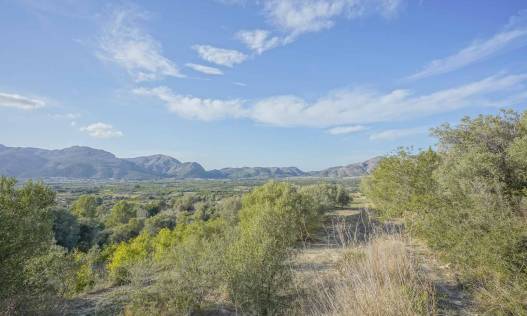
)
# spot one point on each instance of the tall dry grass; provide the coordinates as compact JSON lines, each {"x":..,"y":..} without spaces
{"x":379,"y":278}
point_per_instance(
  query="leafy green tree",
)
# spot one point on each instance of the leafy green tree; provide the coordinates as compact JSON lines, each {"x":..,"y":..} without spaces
{"x":66,"y":228}
{"x":121,"y":213}
{"x":467,"y":200}
{"x":25,"y":232}
{"x":86,"y":206}
{"x":126,"y":231}
{"x":162,"y":220}
{"x":272,"y":219}
{"x":401,"y":182}
{"x":342,"y":198}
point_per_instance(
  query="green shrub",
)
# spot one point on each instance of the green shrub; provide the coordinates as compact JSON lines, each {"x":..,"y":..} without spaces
{"x":466,"y":200}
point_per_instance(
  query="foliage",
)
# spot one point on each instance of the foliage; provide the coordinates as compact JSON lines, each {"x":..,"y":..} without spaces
{"x":121,"y":213}
{"x":66,"y":228}
{"x":126,"y":231}
{"x":162,"y":220}
{"x":272,"y":219}
{"x":327,"y":195}
{"x":403,"y":182}
{"x":229,"y":208}
{"x":467,"y":201}
{"x":127,"y":254}
{"x":25,"y":231}
{"x":86,"y":206}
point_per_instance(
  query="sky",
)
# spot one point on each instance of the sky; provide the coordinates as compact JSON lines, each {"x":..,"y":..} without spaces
{"x":231,"y":83}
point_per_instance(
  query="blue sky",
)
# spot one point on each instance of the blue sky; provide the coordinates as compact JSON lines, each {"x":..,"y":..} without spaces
{"x":312,"y":83}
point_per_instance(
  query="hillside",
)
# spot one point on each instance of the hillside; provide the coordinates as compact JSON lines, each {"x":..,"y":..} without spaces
{"x":80,"y":162}
{"x":351,"y":170}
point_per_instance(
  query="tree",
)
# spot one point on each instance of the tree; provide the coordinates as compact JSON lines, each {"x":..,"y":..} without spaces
{"x":273,"y":218}
{"x":343,"y":197}
{"x":65,"y":228}
{"x":25,"y":231}
{"x":86,"y":206}
{"x":121,"y":213}
{"x":467,"y":201}
{"x":400,"y":182}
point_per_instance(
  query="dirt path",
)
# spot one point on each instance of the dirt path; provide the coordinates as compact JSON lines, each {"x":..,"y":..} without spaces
{"x":348,"y":227}
{"x":451,"y":298}
{"x":99,"y":302}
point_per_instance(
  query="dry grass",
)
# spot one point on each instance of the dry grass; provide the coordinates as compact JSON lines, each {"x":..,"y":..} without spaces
{"x":378,"y":278}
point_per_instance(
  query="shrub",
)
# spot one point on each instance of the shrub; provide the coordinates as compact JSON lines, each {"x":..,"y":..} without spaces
{"x":466,"y":202}
{"x":66,"y":228}
{"x":86,"y":206}
{"x":121,"y":213}
{"x":162,"y":220}
{"x":25,"y":231}
{"x":127,"y":254}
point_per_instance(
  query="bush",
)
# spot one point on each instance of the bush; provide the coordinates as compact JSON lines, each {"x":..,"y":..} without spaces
{"x":466,"y":201}
{"x":127,"y":254}
{"x":121,"y":213}
{"x":25,"y":232}
{"x":274,"y":216}
{"x":65,"y":228}
{"x":125,"y":232}
{"x":162,"y":220}
{"x":86,"y":206}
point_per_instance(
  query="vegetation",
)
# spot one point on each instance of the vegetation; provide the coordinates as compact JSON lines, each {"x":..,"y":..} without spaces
{"x":178,"y":253}
{"x":175,"y":248}
{"x":467,"y":200}
{"x":379,"y":278}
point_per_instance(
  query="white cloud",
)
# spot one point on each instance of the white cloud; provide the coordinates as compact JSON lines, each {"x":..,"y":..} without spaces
{"x":205,"y":69}
{"x":259,"y":40}
{"x":349,"y":106}
{"x":196,"y":108}
{"x":241,"y":84}
{"x":339,"y":130}
{"x":302,"y":16}
{"x":393,"y":134}
{"x":515,"y":33}
{"x":293,"y":18}
{"x":361,"y":106}
{"x":220,"y":56}
{"x":20,"y":102}
{"x":101,"y":130}
{"x":123,"y":42}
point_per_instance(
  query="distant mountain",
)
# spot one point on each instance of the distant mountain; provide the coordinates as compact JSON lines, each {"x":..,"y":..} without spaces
{"x":166,"y":166}
{"x":79,"y":162}
{"x":261,"y":172}
{"x":351,"y":170}
{"x":73,"y":162}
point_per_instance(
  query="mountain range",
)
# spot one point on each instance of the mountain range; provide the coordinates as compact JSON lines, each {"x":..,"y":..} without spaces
{"x":79,"y":162}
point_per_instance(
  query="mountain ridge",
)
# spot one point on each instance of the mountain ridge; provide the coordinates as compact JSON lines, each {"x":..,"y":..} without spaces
{"x":82,"y":162}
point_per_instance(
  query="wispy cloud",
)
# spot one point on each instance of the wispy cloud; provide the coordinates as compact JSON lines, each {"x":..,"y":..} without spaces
{"x":259,"y":40}
{"x":204,"y":69}
{"x":350,"y":106}
{"x":220,"y":56}
{"x":339,"y":130}
{"x":126,"y":44}
{"x":20,"y":102}
{"x":514,"y":33}
{"x":393,"y":134}
{"x":101,"y":130}
{"x":292,"y":18}
{"x":196,"y":108}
